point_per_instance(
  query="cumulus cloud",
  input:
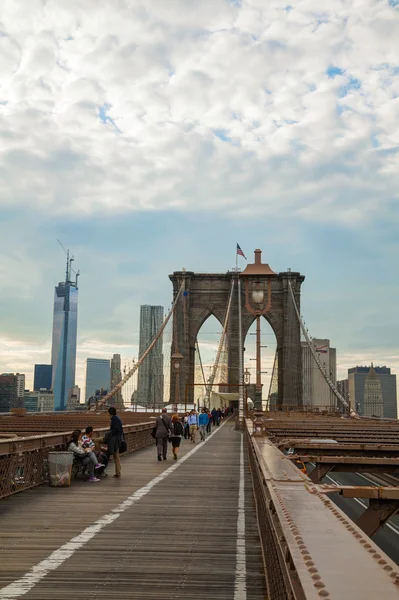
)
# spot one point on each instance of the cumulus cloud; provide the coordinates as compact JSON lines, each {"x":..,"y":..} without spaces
{"x":139,"y":104}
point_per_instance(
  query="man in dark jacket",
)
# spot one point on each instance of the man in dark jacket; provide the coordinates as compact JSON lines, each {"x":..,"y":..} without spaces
{"x":163,"y":431}
{"x":113,"y":439}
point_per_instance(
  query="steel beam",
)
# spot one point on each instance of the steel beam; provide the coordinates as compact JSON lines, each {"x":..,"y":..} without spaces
{"x":348,"y":491}
{"x":377,"y":514}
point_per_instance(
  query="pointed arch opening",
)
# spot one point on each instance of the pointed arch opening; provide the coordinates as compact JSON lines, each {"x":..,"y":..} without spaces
{"x":207,"y":343}
{"x":268,"y":342}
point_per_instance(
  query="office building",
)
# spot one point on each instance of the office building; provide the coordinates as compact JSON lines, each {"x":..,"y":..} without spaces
{"x":73,"y":398}
{"x":98,"y":375}
{"x":150,"y":374}
{"x":45,"y":401}
{"x":316,"y":391}
{"x":343,"y":387}
{"x":65,"y":323}
{"x":116,"y":377}
{"x":31,"y":401}
{"x":42,"y":378}
{"x":373,"y":405}
{"x":8,"y":392}
{"x":360,"y":394}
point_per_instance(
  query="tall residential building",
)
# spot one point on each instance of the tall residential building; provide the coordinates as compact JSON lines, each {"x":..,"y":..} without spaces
{"x":20,"y":390}
{"x":372,"y":404}
{"x":360,"y":394}
{"x":116,"y":377}
{"x":65,"y":325}
{"x":98,"y":375}
{"x":316,"y":392}
{"x":8,"y":392}
{"x":42,"y":379}
{"x":150,"y":374}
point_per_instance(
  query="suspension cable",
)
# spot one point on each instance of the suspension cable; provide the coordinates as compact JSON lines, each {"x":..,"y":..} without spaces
{"x":329,"y":381}
{"x":221,"y":342}
{"x":136,"y":365}
{"x":201,"y":363}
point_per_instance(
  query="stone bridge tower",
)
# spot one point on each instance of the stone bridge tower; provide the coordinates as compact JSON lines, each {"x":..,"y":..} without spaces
{"x":207,"y":294}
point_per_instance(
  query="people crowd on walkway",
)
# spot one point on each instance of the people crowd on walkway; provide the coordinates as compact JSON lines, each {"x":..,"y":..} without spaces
{"x":174,"y":429}
{"x":94,"y":453}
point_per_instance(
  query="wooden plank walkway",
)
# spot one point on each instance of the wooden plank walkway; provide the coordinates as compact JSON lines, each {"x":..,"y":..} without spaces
{"x":175,"y":539}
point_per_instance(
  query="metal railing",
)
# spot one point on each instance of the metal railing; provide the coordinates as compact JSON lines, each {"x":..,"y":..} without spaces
{"x":24,"y":461}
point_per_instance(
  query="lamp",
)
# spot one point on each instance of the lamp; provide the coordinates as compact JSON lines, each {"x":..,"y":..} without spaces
{"x":258,"y":296}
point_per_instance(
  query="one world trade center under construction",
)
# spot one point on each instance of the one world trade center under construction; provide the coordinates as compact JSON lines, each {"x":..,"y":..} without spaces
{"x":65,"y":324}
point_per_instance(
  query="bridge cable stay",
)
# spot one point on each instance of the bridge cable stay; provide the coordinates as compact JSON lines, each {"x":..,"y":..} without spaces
{"x":221,"y":342}
{"x":137,"y":364}
{"x":345,"y":404}
{"x":201,"y":363}
{"x":273,"y":387}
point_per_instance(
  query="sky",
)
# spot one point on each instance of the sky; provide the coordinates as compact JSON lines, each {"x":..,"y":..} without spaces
{"x":151,"y":135}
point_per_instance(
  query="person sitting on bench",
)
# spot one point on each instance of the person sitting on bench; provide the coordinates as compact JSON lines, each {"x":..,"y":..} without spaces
{"x":86,"y":455}
{"x":88,"y":442}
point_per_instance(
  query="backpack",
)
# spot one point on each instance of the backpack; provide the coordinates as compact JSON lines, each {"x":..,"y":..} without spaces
{"x":177,"y":428}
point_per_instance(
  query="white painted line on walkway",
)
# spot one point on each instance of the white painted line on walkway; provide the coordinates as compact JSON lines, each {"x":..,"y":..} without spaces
{"x":240,"y":584}
{"x":22,"y":586}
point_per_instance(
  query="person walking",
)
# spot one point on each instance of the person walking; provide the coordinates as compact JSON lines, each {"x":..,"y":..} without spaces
{"x":163,"y":425}
{"x":177,"y":433}
{"x":213,"y":413}
{"x":209,"y":426}
{"x":193,"y":424}
{"x":186,"y":426}
{"x":218,"y":416}
{"x":203,"y":423}
{"x":113,"y":439}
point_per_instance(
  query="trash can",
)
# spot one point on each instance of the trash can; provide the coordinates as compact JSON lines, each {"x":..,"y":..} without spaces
{"x":60,"y":468}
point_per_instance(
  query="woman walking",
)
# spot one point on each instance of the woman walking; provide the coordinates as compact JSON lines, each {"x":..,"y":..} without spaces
{"x":177,"y":433}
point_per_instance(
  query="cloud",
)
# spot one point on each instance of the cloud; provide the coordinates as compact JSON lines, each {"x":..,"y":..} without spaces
{"x":109,"y":108}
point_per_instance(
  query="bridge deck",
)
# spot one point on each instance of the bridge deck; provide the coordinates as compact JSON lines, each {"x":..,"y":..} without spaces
{"x":164,"y":530}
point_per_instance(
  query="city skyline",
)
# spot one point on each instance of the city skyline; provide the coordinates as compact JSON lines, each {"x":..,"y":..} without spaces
{"x":235,"y":131}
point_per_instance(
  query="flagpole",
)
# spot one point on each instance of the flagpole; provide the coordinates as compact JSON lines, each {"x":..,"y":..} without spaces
{"x":236,"y":260}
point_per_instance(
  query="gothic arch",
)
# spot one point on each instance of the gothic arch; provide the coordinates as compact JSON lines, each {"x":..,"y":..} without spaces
{"x":208,"y":294}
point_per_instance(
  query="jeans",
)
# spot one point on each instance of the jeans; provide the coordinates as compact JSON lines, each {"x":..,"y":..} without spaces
{"x":202,"y":430}
{"x":209,"y":426}
{"x":91,"y":461}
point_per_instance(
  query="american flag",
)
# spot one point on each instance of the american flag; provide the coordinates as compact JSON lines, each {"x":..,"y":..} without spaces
{"x":240,"y":252}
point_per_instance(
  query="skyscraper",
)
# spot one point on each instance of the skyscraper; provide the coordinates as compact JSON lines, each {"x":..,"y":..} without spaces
{"x":98,"y":375}
{"x":20,"y":390}
{"x":116,"y":377}
{"x":42,"y":380}
{"x":315,"y":389}
{"x":8,"y":392}
{"x":360,"y":394}
{"x":373,"y":405}
{"x":150,"y":375}
{"x":65,"y":324}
